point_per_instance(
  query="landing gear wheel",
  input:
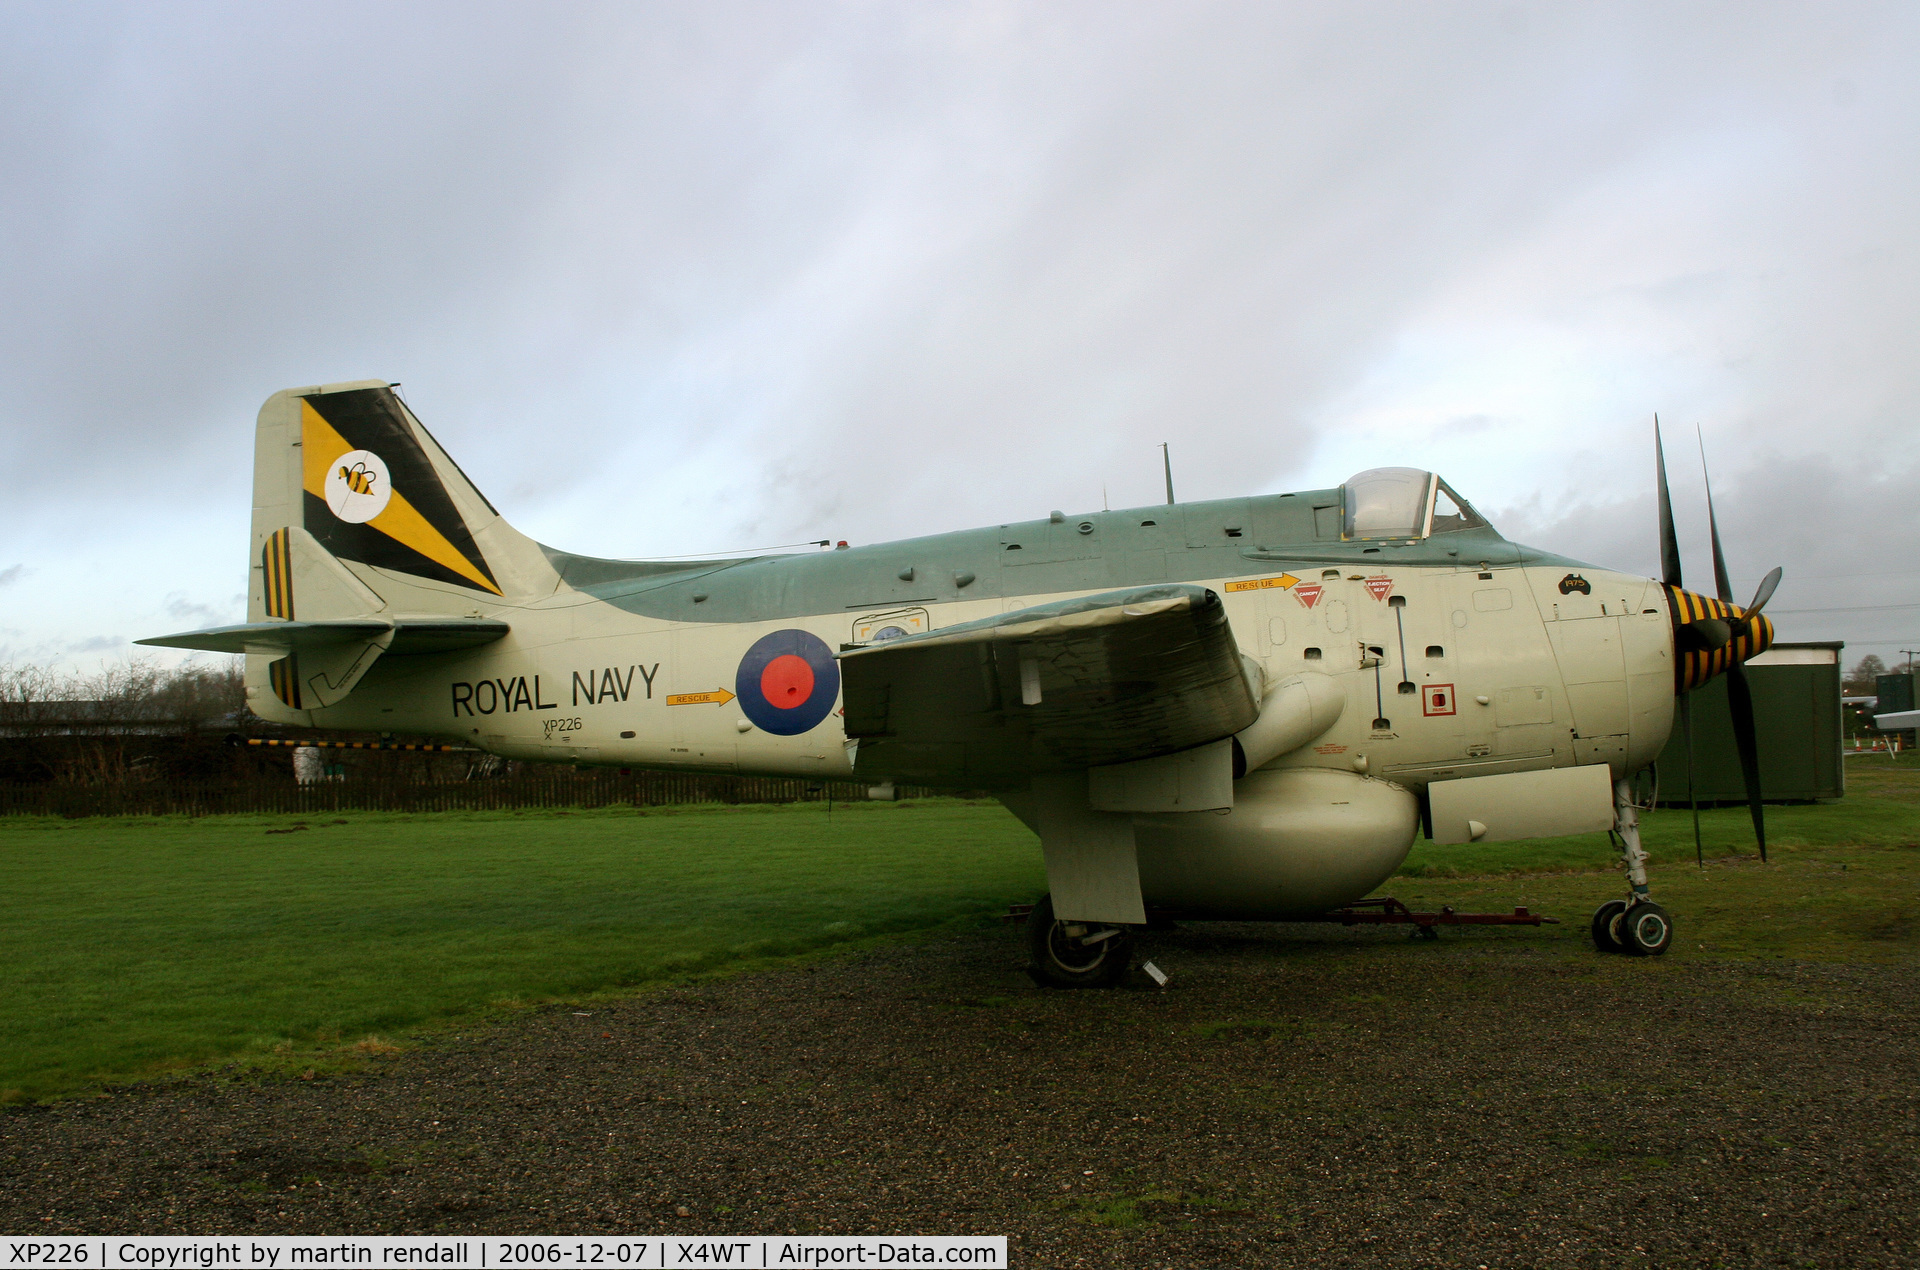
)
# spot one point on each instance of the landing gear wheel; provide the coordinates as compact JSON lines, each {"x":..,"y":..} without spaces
{"x":1607,"y":935}
{"x":1646,"y":930}
{"x":1076,"y":954}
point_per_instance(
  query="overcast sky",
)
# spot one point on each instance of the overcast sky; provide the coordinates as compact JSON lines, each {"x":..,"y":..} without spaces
{"x":690,"y":277}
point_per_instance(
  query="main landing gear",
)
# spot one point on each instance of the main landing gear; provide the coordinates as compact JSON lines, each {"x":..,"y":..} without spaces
{"x":1076,"y":954}
{"x":1636,"y":925}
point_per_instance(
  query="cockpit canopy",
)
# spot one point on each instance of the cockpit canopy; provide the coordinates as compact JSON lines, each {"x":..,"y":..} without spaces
{"x":1402,"y":502}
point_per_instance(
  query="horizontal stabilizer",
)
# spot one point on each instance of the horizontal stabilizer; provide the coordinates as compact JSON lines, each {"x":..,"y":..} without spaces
{"x":410,"y":635}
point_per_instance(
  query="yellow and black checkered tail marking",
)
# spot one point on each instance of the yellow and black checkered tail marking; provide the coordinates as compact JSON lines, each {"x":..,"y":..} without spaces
{"x":276,"y":563}
{"x":284,"y":675}
{"x":1693,"y":666}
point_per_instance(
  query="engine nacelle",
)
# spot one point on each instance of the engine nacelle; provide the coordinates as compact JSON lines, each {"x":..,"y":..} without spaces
{"x":1298,"y":841}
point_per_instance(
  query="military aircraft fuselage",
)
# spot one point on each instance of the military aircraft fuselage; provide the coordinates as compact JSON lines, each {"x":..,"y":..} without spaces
{"x":1460,"y":653}
{"x":1237,"y":708}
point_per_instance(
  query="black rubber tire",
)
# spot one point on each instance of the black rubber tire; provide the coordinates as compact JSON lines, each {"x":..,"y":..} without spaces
{"x":1059,"y":961}
{"x":1606,"y":927}
{"x":1646,"y":930}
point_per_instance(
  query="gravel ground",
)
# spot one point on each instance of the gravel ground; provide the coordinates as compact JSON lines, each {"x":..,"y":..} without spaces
{"x":1296,"y":1096}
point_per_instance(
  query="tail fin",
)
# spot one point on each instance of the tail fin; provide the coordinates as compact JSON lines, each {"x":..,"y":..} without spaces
{"x":358,"y":514}
{"x":357,"y":510}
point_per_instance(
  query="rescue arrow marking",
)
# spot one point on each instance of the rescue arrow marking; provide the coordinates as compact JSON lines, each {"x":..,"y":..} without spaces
{"x":1284,"y":581}
{"x":718,"y":697}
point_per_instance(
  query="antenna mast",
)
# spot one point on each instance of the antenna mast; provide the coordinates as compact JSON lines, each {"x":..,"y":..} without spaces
{"x":1166,"y":461}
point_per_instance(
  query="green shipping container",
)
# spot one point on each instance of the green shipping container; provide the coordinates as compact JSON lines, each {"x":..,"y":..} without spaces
{"x":1894,"y":695}
{"x":1796,"y":713}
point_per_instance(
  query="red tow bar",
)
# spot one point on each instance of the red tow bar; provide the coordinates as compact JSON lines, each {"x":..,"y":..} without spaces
{"x":1388,"y":911}
{"x":1385,"y":911}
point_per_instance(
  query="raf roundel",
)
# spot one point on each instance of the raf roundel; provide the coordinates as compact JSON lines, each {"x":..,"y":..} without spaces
{"x":358,"y":486}
{"x":787,"y":682}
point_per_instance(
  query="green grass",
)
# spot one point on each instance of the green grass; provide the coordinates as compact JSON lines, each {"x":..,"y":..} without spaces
{"x":137,"y":946}
{"x":141,"y":946}
{"x":1843,"y":884}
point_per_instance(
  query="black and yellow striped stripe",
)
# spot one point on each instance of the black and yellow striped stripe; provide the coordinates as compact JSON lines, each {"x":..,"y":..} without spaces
{"x":284,"y":675}
{"x":366,"y":745}
{"x":276,"y":564}
{"x":1694,"y":666}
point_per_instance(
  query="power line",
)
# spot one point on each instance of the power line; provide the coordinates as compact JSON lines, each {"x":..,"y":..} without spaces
{"x":1861,"y":608}
{"x":1869,"y":643}
{"x":1835,"y":577}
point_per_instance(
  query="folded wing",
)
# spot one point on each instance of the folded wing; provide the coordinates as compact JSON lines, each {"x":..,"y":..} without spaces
{"x":1059,"y":687}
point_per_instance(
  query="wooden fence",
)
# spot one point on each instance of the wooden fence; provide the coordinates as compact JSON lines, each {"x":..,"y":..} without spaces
{"x":565,"y":788}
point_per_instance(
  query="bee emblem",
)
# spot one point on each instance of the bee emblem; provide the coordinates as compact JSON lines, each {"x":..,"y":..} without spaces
{"x":358,"y":478}
{"x":357,"y":486}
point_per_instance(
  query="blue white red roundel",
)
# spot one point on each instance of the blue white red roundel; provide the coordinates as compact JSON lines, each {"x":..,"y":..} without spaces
{"x":787,"y":682}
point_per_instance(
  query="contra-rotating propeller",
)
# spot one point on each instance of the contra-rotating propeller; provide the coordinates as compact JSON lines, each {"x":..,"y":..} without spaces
{"x":1713,"y":637}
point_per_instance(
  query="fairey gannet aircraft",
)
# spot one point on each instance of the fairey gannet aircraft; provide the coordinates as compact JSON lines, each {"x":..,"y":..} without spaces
{"x":1244,"y":708}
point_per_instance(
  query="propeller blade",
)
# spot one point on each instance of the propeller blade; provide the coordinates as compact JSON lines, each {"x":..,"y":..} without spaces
{"x":1720,"y":581}
{"x":1669,"y":541}
{"x":1708,"y":633}
{"x":1767,"y":586}
{"x":1740,"y":706}
{"x":1693,"y":795}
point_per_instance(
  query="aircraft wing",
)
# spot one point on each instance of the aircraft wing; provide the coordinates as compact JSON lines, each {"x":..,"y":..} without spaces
{"x":410,"y":635}
{"x":1080,"y":683}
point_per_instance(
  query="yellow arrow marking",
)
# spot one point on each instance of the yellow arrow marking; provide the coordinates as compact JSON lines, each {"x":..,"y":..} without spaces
{"x":1284,"y":581}
{"x":718,"y":697}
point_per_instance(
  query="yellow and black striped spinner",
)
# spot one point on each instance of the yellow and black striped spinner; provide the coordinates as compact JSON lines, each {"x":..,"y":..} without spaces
{"x":1694,"y":666}
{"x":284,"y":675}
{"x":276,"y":565}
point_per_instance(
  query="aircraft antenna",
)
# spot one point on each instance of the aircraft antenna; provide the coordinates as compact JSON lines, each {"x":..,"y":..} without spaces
{"x":738,"y":551}
{"x":1166,"y":461}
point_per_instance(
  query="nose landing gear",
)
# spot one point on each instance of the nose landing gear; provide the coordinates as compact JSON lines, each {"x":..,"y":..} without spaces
{"x":1635,"y":926}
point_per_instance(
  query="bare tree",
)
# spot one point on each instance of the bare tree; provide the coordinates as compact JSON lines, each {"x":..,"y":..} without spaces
{"x":29,"y":697}
{"x":1860,"y":680}
{"x":103,"y":727}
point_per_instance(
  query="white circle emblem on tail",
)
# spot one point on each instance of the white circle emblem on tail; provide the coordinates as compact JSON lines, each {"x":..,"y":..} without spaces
{"x":357,"y":487}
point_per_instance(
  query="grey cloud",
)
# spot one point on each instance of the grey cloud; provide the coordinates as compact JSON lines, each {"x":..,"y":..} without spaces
{"x":181,"y":609}
{"x":1845,"y":536}
{"x":12,"y":574}
{"x":667,"y":277}
{"x":99,"y":644}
